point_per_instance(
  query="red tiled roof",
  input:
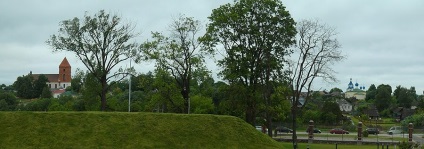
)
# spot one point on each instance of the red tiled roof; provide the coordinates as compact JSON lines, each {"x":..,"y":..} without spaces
{"x":51,"y":77}
{"x":60,"y":91}
{"x":64,"y":63}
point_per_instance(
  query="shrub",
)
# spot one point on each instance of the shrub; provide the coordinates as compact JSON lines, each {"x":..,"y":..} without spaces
{"x":405,"y":145}
{"x":348,"y":126}
{"x":365,"y":133}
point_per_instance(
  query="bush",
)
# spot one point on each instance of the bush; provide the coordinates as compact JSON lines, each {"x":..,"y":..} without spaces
{"x":405,"y":145}
{"x":348,"y":126}
{"x":365,"y":133}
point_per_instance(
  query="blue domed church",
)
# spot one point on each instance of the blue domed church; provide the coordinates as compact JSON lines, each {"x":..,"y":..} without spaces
{"x":355,"y":91}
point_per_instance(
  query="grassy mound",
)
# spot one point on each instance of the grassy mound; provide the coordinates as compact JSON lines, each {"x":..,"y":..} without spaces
{"x":127,"y":130}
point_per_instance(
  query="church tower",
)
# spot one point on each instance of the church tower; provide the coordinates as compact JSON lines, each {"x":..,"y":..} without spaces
{"x":64,"y":71}
{"x":350,"y":85}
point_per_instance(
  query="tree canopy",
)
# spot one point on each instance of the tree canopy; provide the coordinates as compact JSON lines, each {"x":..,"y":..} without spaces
{"x":179,"y":53}
{"x":101,"y":42}
{"x":317,"y":49}
{"x":255,"y":36}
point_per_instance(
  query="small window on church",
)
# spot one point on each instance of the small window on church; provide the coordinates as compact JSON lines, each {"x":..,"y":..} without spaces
{"x":63,"y":70}
{"x":63,"y":77}
{"x":64,"y":86}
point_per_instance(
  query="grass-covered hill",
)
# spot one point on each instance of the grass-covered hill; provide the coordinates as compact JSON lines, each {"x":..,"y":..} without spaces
{"x":127,"y":130}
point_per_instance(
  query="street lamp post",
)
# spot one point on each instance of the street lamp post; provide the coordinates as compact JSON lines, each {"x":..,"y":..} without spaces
{"x":129,"y":93}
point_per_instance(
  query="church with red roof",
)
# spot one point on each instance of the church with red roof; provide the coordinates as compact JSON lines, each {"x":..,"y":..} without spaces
{"x":58,"y":82}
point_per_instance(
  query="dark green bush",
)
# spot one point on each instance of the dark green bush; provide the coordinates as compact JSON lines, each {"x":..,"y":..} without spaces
{"x":365,"y":133}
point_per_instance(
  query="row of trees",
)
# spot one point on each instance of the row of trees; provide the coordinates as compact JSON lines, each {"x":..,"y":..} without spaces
{"x":27,"y":87}
{"x":385,"y":101}
{"x":256,"y":39}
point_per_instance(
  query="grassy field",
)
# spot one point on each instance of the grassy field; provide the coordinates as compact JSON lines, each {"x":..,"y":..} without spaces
{"x":127,"y":130}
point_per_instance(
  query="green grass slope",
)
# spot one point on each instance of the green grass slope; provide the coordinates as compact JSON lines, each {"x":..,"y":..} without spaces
{"x":127,"y":130}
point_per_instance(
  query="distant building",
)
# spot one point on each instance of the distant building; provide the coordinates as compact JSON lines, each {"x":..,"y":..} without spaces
{"x":60,"y":81}
{"x":401,"y":113}
{"x":357,"y":92}
{"x":344,"y":106}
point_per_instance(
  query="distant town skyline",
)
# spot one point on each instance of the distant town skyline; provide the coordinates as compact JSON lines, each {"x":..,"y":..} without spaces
{"x":381,"y":39}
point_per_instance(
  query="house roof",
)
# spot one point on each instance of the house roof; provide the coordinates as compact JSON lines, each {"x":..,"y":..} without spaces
{"x":372,"y":111}
{"x":403,"y":112}
{"x":64,"y":63}
{"x":50,"y":77}
{"x":340,"y":102}
{"x":60,"y":91}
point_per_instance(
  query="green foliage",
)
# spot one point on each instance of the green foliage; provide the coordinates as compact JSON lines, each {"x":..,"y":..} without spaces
{"x":56,"y":106}
{"x":28,"y":88}
{"x":166,"y":96}
{"x":39,"y":85}
{"x":201,"y":105}
{"x":404,"y":96}
{"x":371,"y":92}
{"x":23,"y":86}
{"x":77,"y":80}
{"x":232,"y":102}
{"x":333,"y":90}
{"x":416,"y":119}
{"x":91,"y":91}
{"x":312,"y":115}
{"x":365,"y":133}
{"x":8,"y":101}
{"x":255,"y":36}
{"x":101,"y":42}
{"x":331,"y":113}
{"x":386,"y":113}
{"x":279,"y":108}
{"x":46,"y":93}
{"x":382,"y":97}
{"x":347,"y":125}
{"x":38,"y":105}
{"x":127,"y":130}
{"x":180,"y":54}
{"x":405,"y":145}
{"x":420,"y":105}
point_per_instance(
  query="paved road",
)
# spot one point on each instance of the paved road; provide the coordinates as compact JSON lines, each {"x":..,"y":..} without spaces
{"x":384,"y":137}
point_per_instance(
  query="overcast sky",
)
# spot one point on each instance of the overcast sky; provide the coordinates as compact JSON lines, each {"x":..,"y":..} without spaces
{"x":383,"y":39}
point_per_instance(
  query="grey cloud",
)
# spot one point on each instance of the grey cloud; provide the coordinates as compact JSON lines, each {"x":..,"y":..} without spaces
{"x":382,"y":39}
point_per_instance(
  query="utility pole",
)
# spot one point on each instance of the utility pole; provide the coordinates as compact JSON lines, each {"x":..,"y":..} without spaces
{"x":129,"y":93}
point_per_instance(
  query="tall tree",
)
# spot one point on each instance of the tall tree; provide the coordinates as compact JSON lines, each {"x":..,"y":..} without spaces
{"x":317,"y":49}
{"x":404,"y":96}
{"x":77,"y":80}
{"x":371,"y":92}
{"x":255,"y":36}
{"x":24,"y":87}
{"x":101,"y":42}
{"x":180,"y":54}
{"x":166,"y":96}
{"x":383,"y":97}
{"x":412,"y":93}
{"x":39,"y":85}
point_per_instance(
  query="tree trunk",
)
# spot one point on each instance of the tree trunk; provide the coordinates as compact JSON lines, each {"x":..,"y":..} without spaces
{"x":250,"y":113}
{"x":103,"y":94}
{"x":185,"y":94}
{"x":269,"y":123}
{"x":294,"y":112}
